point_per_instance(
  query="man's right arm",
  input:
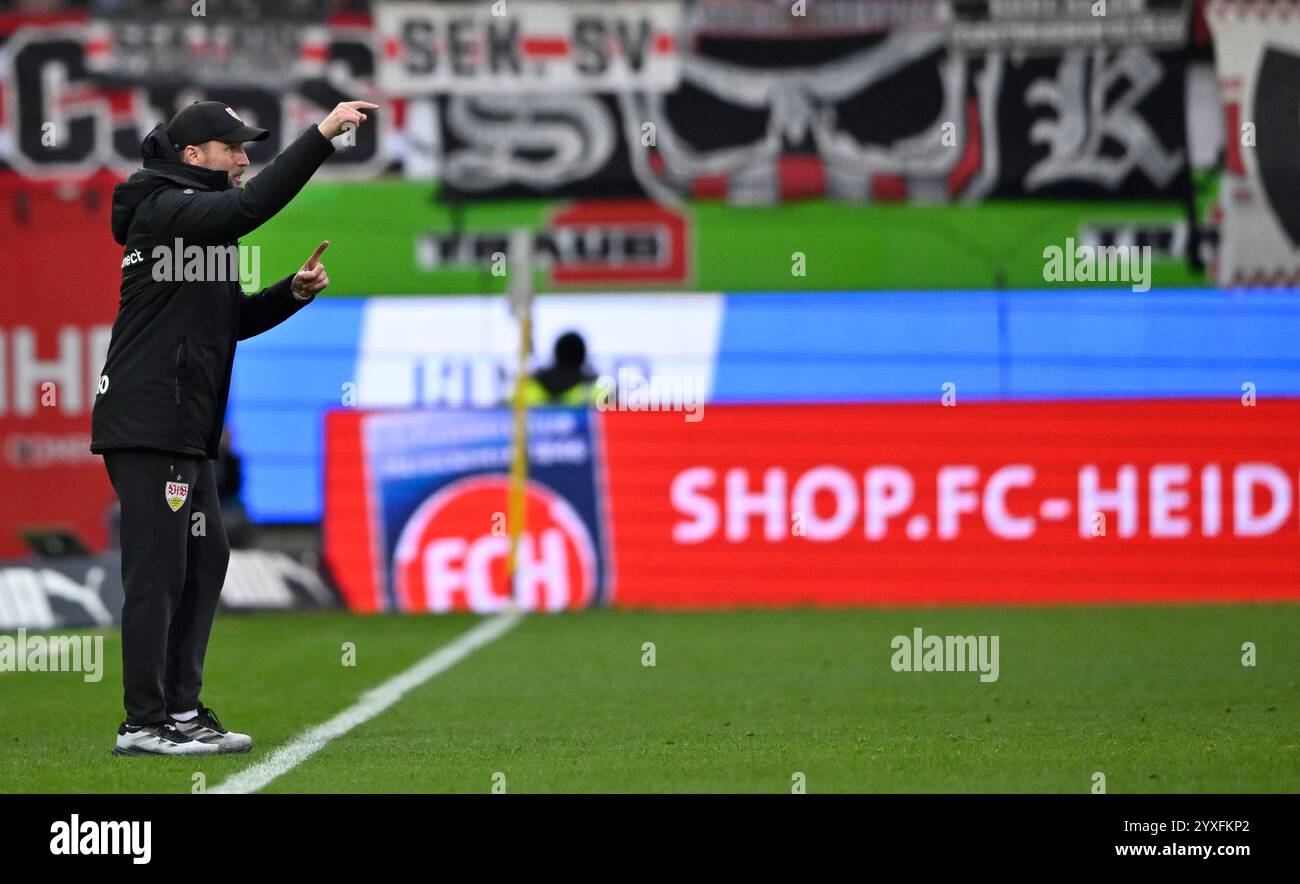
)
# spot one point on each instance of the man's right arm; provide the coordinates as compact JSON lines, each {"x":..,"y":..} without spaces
{"x":204,"y":217}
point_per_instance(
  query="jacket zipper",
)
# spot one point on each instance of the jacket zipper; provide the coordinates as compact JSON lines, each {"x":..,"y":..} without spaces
{"x":181,"y":355}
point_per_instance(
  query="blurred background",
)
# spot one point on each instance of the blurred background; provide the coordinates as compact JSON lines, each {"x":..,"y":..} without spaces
{"x":837,"y":302}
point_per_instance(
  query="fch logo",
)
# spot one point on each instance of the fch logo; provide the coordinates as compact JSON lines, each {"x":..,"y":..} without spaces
{"x":451,"y":554}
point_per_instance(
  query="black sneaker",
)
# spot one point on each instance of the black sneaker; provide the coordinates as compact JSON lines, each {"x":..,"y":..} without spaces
{"x":162,"y":738}
{"x":205,"y":728}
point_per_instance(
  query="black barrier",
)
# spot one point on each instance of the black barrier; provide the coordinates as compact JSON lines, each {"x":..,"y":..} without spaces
{"x":77,"y":593}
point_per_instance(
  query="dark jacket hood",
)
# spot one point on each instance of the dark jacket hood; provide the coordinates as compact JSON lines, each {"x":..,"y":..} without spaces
{"x":163,"y":167}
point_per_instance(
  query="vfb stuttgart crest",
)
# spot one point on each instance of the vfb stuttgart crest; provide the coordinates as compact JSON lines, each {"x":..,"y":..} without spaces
{"x":175,"y":494}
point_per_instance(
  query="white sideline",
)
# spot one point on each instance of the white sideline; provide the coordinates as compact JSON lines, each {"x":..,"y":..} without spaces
{"x":372,"y":703}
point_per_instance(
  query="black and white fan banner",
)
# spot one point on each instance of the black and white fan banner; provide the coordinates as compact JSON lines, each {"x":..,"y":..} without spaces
{"x":1257,"y":56}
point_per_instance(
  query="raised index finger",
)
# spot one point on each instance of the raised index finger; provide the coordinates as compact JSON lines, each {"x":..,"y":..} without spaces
{"x":315,"y":256}
{"x":359,"y":104}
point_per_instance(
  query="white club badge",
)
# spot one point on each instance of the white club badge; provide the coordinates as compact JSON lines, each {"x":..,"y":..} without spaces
{"x":176,"y":493}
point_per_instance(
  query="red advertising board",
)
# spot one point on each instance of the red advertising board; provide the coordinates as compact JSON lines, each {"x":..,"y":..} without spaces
{"x":971,"y":504}
{"x":62,"y":274}
{"x":922,"y":504}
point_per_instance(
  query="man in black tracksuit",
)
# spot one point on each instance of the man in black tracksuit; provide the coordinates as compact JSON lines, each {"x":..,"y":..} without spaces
{"x":161,"y":400}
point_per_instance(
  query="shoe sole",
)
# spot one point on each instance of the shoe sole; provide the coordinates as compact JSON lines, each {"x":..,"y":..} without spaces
{"x":118,"y":750}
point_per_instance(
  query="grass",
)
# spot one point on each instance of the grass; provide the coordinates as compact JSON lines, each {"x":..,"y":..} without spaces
{"x":1157,"y":699}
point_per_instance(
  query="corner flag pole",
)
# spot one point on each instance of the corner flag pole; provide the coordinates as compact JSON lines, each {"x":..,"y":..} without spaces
{"x":521,"y":305}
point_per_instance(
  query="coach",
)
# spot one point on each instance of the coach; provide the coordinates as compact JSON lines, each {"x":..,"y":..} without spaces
{"x":161,"y":400}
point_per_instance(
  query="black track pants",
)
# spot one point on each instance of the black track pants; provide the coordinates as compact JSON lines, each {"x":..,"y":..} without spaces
{"x":174,"y":557}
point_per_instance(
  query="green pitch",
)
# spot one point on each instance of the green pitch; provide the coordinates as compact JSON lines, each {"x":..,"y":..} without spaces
{"x":1157,"y":699}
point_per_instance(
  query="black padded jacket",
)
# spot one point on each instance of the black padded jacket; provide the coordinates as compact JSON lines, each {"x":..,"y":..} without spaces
{"x":166,"y":379}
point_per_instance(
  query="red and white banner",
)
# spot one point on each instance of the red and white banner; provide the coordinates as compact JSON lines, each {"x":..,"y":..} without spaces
{"x":1096,"y":502}
{"x":1257,"y":55}
{"x":504,"y":47}
{"x":971,"y":504}
{"x":62,"y":273}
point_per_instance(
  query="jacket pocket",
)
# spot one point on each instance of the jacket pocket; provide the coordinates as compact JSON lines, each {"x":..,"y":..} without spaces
{"x":182,"y":363}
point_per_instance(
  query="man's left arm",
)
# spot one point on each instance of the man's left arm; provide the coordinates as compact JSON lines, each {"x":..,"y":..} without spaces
{"x":276,"y":303}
